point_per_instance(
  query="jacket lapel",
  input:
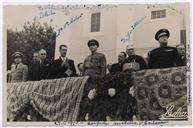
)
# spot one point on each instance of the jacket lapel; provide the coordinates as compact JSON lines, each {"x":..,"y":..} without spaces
{"x":60,"y":60}
{"x":19,"y":65}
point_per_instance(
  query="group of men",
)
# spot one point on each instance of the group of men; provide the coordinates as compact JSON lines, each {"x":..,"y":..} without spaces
{"x":95,"y":64}
{"x":162,"y":57}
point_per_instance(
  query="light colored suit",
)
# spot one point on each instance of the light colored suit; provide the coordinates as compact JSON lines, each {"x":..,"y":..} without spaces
{"x":19,"y":73}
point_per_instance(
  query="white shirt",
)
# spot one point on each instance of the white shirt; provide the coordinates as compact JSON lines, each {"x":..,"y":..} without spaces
{"x":64,"y":59}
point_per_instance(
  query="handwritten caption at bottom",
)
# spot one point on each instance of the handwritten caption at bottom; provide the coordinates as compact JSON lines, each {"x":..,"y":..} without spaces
{"x":110,"y":123}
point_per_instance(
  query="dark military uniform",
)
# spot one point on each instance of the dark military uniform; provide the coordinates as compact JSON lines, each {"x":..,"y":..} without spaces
{"x":164,"y":57}
{"x":95,"y":65}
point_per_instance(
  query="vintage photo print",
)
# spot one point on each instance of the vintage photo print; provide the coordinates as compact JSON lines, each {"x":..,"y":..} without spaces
{"x":93,"y":64}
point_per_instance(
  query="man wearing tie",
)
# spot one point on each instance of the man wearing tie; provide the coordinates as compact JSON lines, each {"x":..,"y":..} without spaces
{"x":62,"y":67}
{"x":19,"y":71}
{"x":39,"y":69}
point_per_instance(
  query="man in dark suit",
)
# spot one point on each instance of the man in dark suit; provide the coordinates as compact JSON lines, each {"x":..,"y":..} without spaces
{"x":117,"y":66}
{"x":62,"y":67}
{"x":34,"y":67}
{"x":39,"y":68}
{"x":163,"y":56}
{"x":182,"y":52}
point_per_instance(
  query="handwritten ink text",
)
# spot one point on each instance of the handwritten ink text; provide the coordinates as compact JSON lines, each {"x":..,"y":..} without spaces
{"x":68,"y":23}
{"x":128,"y":36}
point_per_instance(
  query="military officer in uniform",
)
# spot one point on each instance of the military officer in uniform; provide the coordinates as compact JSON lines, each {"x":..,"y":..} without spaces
{"x":63,"y":66}
{"x":163,"y":56}
{"x":94,"y":64}
{"x":19,"y":71}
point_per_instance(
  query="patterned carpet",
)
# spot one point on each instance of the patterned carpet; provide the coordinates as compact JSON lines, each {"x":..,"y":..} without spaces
{"x":102,"y":98}
{"x":157,"y":89}
{"x":55,"y":100}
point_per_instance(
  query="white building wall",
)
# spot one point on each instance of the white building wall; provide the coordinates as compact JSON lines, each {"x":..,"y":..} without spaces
{"x":125,"y":15}
{"x":64,"y":37}
{"x":145,"y":32}
{"x":115,"y":24}
{"x":80,"y":35}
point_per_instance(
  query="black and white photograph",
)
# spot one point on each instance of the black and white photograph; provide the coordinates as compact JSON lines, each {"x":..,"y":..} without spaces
{"x":96,"y":64}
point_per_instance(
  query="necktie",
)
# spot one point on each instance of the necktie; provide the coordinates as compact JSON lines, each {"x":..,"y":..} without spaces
{"x":41,"y":63}
{"x":16,"y":66}
{"x":64,"y":59}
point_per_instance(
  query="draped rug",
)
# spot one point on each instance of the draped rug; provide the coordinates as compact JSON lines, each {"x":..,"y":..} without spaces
{"x":159,"y":89}
{"x":67,"y":99}
{"x":55,"y":100}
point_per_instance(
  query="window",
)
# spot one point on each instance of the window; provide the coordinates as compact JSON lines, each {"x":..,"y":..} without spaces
{"x":95,"y":22}
{"x":158,"y":14}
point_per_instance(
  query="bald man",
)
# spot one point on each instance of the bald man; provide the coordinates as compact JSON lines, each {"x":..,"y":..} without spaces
{"x":182,"y":52}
